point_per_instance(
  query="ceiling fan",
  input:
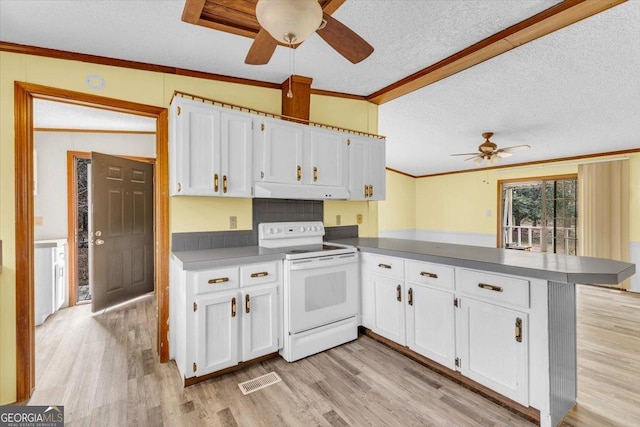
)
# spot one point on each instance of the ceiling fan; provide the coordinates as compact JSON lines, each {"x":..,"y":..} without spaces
{"x":490,"y":152}
{"x":290,"y":22}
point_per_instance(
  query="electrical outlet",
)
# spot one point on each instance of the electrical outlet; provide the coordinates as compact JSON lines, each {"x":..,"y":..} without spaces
{"x":338,"y":219}
{"x":359,"y":218}
{"x":38,"y":220}
{"x":233,"y":222}
{"x":488,"y":212}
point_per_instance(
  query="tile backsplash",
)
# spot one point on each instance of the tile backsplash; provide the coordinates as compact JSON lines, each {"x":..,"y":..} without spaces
{"x":264,"y":210}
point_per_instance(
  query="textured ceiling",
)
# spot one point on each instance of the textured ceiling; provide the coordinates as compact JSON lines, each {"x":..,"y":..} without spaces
{"x":59,"y":115}
{"x":572,"y":92}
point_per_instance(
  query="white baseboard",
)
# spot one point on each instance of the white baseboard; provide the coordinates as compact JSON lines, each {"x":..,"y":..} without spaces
{"x":473,"y":239}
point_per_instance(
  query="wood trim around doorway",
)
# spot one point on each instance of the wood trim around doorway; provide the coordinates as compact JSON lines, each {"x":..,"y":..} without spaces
{"x":24,"y":93}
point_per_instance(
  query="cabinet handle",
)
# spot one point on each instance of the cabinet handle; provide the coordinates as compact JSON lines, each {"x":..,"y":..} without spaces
{"x":218,"y":280}
{"x":179,"y":187}
{"x":247,"y":304}
{"x":410,"y":296}
{"x":261,"y":274}
{"x":224,"y":183}
{"x":315,"y":174}
{"x":215,"y":182}
{"x":399,"y":293}
{"x":490,"y":287}
{"x":427,"y":274}
{"x":519,"y":329}
{"x":387,"y":266}
{"x":371,"y":191}
{"x":233,"y":307}
{"x":299,"y":173}
{"x":366,"y":191}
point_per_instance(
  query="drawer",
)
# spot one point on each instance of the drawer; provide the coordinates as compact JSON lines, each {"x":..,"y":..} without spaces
{"x":426,"y":273}
{"x":216,"y":280}
{"x":257,"y":274}
{"x":505,"y":290}
{"x":387,"y":266}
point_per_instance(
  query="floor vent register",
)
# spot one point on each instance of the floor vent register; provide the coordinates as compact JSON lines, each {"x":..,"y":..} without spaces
{"x":259,"y":383}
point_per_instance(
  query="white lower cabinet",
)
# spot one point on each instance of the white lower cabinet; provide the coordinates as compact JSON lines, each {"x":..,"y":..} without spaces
{"x":430,"y":324}
{"x":216,"y":332}
{"x":388,"y":307}
{"x":222,"y":317}
{"x":260,"y":321}
{"x":493,"y":348}
{"x":473,"y":322}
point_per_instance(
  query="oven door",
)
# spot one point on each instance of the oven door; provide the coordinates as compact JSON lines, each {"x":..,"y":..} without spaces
{"x":321,"y":290}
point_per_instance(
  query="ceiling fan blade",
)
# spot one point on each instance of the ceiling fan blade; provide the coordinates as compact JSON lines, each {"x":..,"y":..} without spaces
{"x":474,"y":157}
{"x":344,"y":40}
{"x":515,"y":148}
{"x":503,"y":154}
{"x":464,"y":154}
{"x":261,"y":49}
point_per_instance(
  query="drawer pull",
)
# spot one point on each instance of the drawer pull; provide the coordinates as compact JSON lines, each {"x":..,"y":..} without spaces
{"x":298,"y":173}
{"x":247,"y":304}
{"x":225,"y":184}
{"x":218,"y":280}
{"x":261,"y":274}
{"x":519,"y":329}
{"x":216,"y":182}
{"x":427,"y":274}
{"x":490,"y":287}
{"x":387,"y":266}
{"x":315,"y":174}
{"x":399,"y":293}
{"x":410,"y":296}
{"x":233,"y":307}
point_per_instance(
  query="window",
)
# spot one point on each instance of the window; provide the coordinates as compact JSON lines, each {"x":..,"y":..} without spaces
{"x":540,"y":215}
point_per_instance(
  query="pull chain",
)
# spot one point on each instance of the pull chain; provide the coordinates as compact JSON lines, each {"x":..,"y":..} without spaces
{"x":292,"y":61}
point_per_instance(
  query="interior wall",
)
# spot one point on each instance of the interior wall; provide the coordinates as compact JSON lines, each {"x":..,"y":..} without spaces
{"x":397,"y":214}
{"x":152,"y":88}
{"x":50,"y":202}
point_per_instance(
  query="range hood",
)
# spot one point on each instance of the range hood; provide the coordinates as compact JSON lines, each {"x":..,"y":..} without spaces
{"x":274,"y":190}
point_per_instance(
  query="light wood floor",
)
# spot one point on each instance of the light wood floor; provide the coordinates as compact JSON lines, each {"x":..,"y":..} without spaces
{"x":105,"y":371}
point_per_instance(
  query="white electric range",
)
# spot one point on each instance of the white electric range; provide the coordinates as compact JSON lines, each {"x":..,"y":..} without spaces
{"x":320,"y":294}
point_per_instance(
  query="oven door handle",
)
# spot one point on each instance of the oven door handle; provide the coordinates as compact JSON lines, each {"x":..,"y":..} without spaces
{"x":307,"y":264}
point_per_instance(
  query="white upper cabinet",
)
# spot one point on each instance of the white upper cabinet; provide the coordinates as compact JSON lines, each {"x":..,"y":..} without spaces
{"x":210,"y":150}
{"x":328,"y":158}
{"x":282,"y":152}
{"x":367,"y":179}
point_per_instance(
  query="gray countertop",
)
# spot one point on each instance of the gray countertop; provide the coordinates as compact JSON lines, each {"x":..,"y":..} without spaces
{"x":223,"y":257}
{"x":553,"y":267}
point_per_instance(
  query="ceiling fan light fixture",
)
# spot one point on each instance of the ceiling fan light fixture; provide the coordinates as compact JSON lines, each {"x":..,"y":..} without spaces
{"x":289,"y":21}
{"x":478,"y":161}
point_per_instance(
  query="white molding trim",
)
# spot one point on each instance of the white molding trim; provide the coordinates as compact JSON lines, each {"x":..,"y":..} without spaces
{"x":634,"y":257}
{"x":461,"y":238}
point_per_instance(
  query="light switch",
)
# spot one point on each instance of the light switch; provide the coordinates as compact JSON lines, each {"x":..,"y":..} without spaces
{"x":38,"y":220}
{"x":488,"y":212}
{"x":338,"y":219}
{"x":233,"y":222}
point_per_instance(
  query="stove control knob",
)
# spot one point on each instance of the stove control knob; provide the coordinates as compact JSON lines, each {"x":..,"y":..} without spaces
{"x":302,"y":229}
{"x":273,"y":230}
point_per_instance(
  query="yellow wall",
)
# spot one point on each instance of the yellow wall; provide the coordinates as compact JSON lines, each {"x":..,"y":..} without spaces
{"x":186,"y":213}
{"x":398,"y":211}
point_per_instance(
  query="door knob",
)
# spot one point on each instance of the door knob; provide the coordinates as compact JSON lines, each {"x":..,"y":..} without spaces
{"x":99,"y":242}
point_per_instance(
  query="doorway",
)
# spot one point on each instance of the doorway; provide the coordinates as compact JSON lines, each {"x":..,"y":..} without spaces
{"x":24,"y":94}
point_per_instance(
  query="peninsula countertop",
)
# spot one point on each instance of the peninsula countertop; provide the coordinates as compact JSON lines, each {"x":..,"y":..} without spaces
{"x":551,"y":267}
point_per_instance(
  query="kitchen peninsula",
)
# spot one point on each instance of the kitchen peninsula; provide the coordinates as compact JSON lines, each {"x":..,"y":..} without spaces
{"x":501,"y":321}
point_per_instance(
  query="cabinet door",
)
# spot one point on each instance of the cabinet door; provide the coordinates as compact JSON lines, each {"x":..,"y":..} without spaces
{"x":260,"y":326}
{"x":493,"y":348}
{"x":358,"y":158}
{"x":430,"y":323}
{"x":389,"y":309}
{"x":282,"y":153}
{"x":376,"y":166}
{"x":197,"y":149}
{"x":237,"y":154}
{"x":328,"y":159}
{"x":216,"y":332}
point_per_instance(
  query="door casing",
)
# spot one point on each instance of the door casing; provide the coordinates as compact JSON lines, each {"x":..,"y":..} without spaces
{"x":24,"y":93}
